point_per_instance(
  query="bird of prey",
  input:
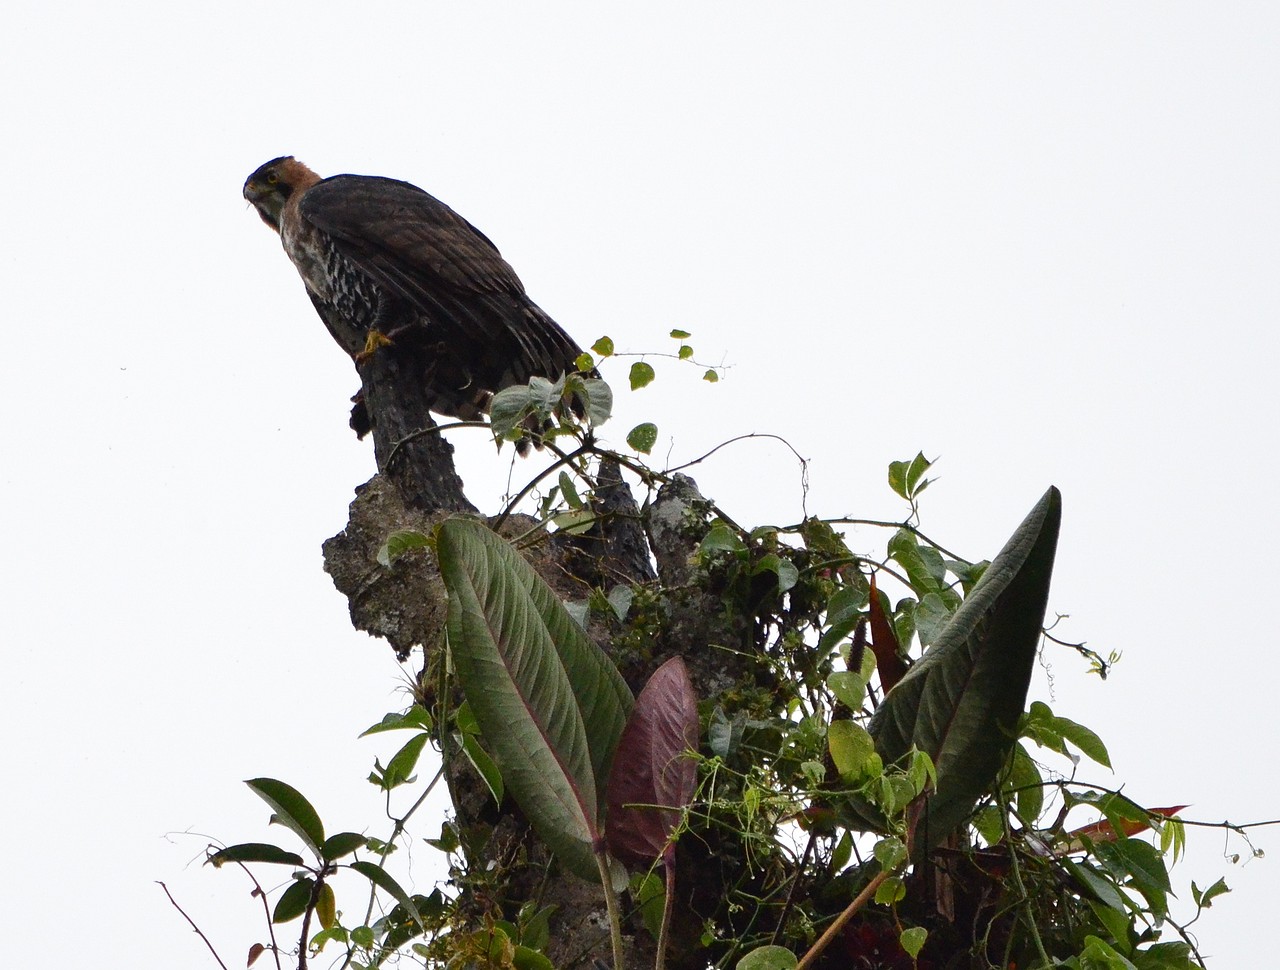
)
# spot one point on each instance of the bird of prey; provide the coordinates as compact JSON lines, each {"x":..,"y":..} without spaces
{"x":386,"y":263}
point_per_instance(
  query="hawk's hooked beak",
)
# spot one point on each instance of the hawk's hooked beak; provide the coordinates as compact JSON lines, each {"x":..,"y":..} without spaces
{"x":266,"y":201}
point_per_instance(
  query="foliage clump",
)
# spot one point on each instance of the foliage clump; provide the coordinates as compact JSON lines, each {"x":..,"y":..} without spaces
{"x":848,"y":774}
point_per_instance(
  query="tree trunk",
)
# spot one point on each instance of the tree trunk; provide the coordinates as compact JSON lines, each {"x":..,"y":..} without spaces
{"x":417,"y":486}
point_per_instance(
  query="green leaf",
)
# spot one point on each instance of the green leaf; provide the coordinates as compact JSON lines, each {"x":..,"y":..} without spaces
{"x":1025,"y":785}
{"x":905,"y":476}
{"x":643,"y":437}
{"x":291,"y":810}
{"x":415,"y":718}
{"x":484,"y":765}
{"x":843,"y":852}
{"x":768,"y":958}
{"x":1090,"y":744}
{"x":1165,"y":956}
{"x":584,"y":362}
{"x":293,"y":901}
{"x":527,"y":958}
{"x":724,"y":736}
{"x":685,"y":352}
{"x":1046,"y":729}
{"x":890,"y":853}
{"x":849,"y":687}
{"x":508,"y":409}
{"x":721,"y":538}
{"x":513,"y":645}
{"x":575,"y":522}
{"x":932,"y":616}
{"x":569,"y":492}
{"x":711,"y":376}
{"x":400,"y":542}
{"x":786,"y":571}
{"x":852,"y":750}
{"x":327,"y":907}
{"x":338,"y":933}
{"x":962,"y":702}
{"x":1141,"y":864}
{"x":890,"y":891}
{"x":1099,"y":955}
{"x":1205,"y":899}
{"x":649,"y":894}
{"x":681,"y":334}
{"x":912,"y":940}
{"x":362,"y":936}
{"x":990,"y":824}
{"x":1096,"y":884}
{"x":603,"y":347}
{"x":923,"y":566}
{"x":619,"y":599}
{"x":598,"y":400}
{"x":399,"y":770}
{"x":380,"y":878}
{"x":898,"y":477}
{"x":344,"y":843}
{"x":257,"y":852}
{"x":448,"y":841}
{"x":1117,"y":924}
{"x":641,"y":375}
{"x":919,"y":465}
{"x":535,"y":924}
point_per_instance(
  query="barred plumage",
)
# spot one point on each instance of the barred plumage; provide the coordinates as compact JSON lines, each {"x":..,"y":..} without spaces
{"x":382,"y":257}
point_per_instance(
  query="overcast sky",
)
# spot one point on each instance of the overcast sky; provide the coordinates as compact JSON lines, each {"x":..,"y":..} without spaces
{"x":1037,"y":242}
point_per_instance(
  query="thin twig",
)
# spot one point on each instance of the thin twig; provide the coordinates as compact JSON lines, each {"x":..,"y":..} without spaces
{"x":795,"y":885}
{"x":275,"y":948}
{"x":834,"y":929}
{"x":199,"y":933}
{"x":804,"y":462}
{"x":1028,"y":914}
{"x":564,"y":459}
{"x":885,"y":524}
{"x":423,"y":432}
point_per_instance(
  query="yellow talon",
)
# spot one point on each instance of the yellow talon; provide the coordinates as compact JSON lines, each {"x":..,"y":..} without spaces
{"x":372,"y":342}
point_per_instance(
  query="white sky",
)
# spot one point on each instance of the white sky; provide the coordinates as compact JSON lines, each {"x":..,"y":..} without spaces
{"x":1040,"y":243}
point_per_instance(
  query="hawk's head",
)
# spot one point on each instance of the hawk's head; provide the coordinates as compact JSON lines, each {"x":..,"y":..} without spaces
{"x":270,"y":186}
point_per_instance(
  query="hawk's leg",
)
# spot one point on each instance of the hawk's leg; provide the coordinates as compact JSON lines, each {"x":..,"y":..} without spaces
{"x":380,"y":334}
{"x":373,"y":340}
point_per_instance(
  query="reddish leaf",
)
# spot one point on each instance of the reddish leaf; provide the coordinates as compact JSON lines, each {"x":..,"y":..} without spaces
{"x":650,"y":767}
{"x":884,"y":643}
{"x":255,"y":951}
{"x":1103,"y":831}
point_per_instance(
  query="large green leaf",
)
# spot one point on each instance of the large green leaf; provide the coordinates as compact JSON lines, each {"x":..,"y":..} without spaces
{"x":255,"y":852}
{"x":961,"y":703}
{"x":550,"y":705}
{"x":292,"y":810}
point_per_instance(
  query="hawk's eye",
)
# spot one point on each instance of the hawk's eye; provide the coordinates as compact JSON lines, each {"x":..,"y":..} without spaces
{"x":272,"y":178}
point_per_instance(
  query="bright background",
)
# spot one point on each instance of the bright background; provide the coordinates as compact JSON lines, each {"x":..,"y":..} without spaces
{"x":1038,"y":243}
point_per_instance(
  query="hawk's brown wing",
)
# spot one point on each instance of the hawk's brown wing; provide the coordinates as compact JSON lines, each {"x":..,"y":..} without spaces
{"x":424,"y":254}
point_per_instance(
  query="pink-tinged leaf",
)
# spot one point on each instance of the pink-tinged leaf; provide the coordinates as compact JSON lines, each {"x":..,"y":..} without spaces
{"x":653,"y":775}
{"x":1104,"y":831}
{"x":884,"y":643}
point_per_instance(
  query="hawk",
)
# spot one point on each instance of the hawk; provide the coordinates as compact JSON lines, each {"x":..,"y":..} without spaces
{"x":386,"y":263}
